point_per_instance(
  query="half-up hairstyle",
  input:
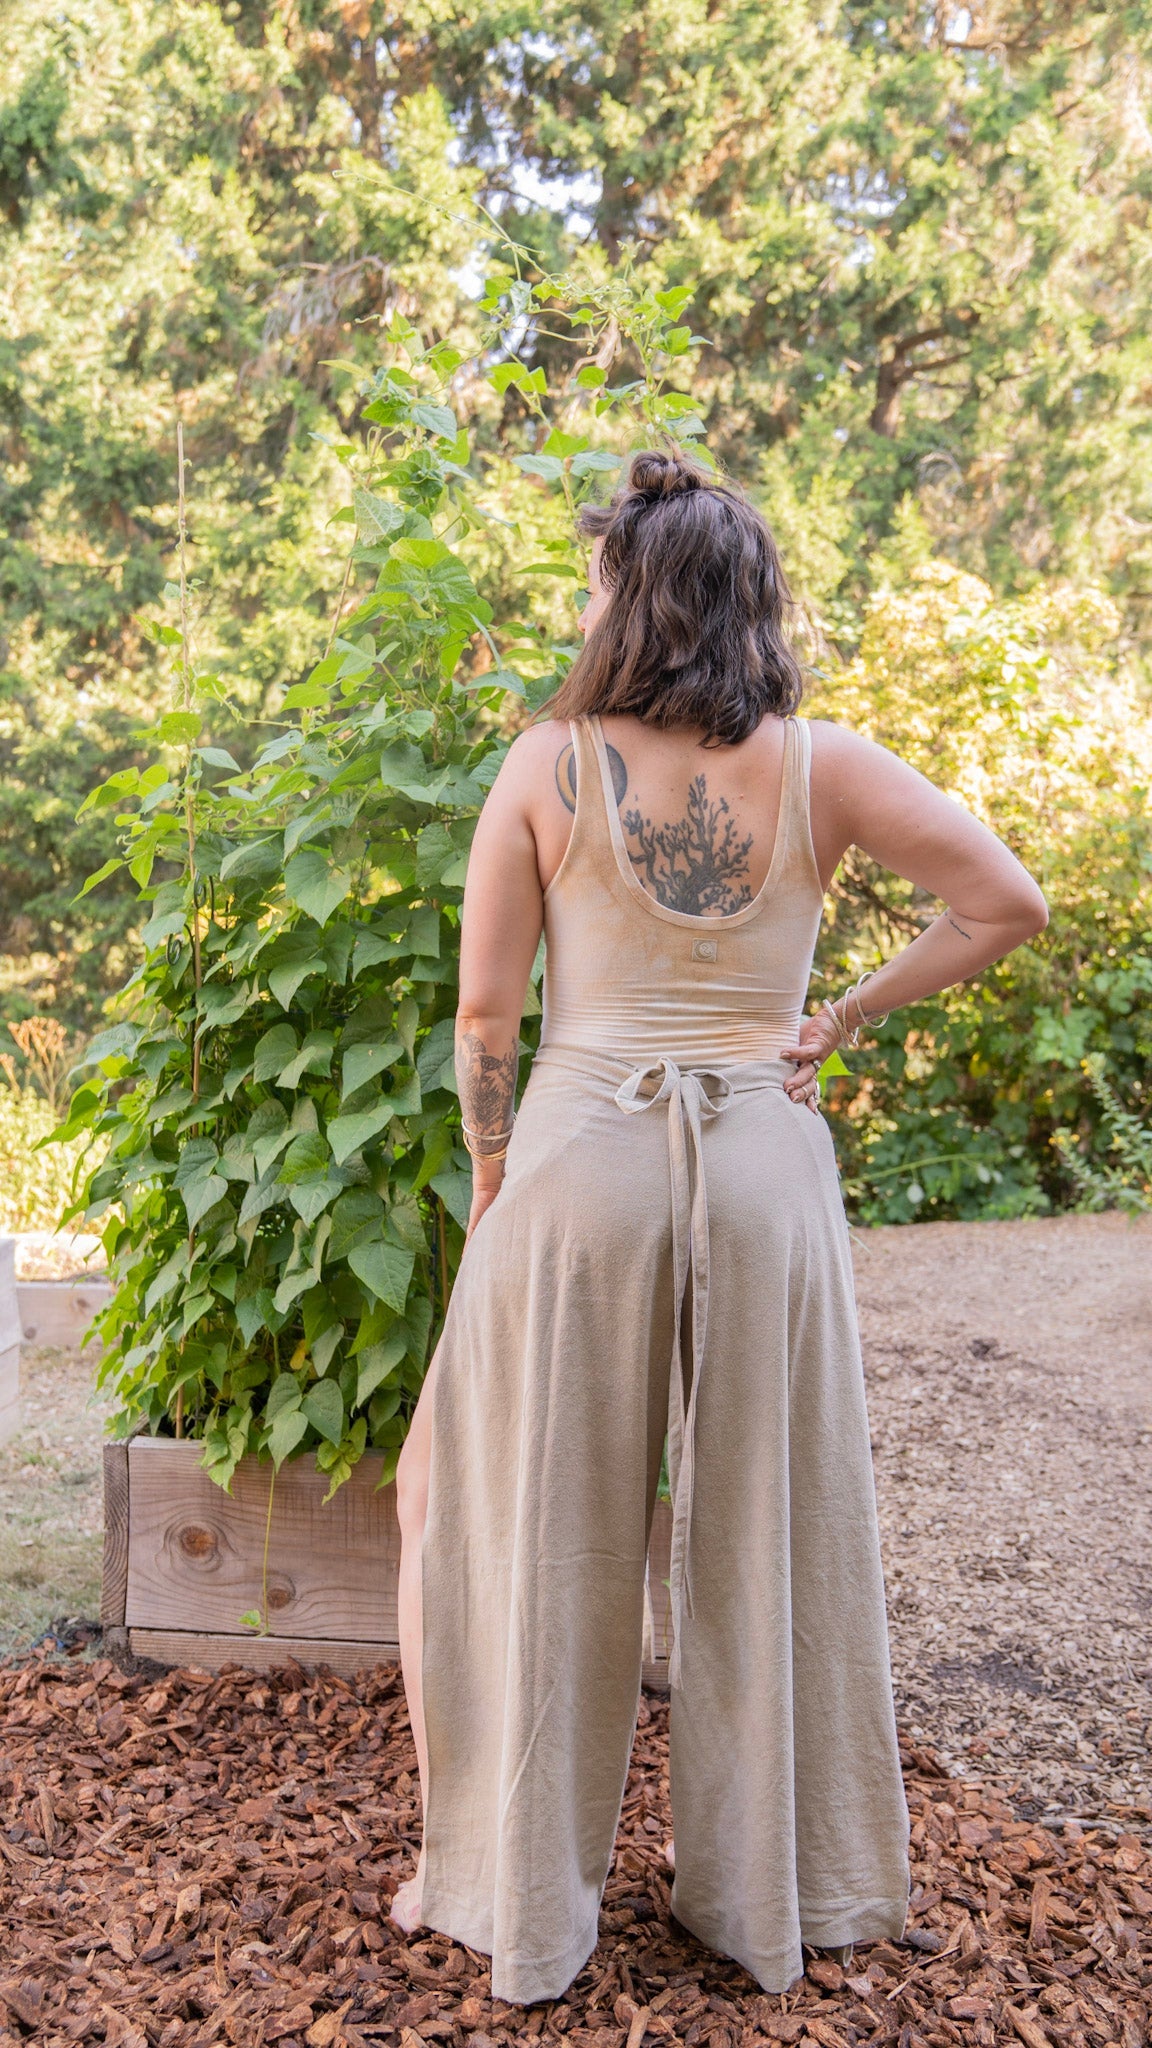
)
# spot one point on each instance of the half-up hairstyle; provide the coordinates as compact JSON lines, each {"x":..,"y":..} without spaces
{"x":693,"y":632}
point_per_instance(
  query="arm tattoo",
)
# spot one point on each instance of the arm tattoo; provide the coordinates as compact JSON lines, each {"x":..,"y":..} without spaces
{"x":487,"y":1084}
{"x":693,"y":865}
{"x":958,"y":928}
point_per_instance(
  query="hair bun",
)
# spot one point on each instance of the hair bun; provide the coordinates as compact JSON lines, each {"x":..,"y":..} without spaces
{"x":655,"y":475}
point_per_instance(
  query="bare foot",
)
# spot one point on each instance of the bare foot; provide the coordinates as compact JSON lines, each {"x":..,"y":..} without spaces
{"x":670,"y":1854}
{"x":405,"y":1907}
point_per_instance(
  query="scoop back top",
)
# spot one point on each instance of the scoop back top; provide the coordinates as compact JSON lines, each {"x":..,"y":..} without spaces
{"x":626,"y":975}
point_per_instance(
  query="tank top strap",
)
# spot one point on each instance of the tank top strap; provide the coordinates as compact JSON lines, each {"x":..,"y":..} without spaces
{"x":794,"y":826}
{"x":590,"y":841}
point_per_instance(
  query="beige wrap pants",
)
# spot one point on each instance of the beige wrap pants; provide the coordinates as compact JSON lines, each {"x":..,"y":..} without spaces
{"x":683,"y":1269}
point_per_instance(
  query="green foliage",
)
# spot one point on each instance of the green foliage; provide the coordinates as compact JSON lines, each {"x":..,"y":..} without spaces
{"x":1122,"y":1179}
{"x":1025,"y":710}
{"x":284,"y":1186}
{"x":917,"y":238}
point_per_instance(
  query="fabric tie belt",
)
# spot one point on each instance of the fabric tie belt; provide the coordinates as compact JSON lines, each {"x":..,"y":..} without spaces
{"x":689,"y":1101}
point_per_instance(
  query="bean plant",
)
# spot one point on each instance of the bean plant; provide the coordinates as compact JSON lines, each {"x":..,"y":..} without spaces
{"x":283,"y":1188}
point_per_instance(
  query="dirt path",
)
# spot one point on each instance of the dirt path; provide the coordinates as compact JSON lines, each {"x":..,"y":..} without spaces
{"x":1009,"y":1375}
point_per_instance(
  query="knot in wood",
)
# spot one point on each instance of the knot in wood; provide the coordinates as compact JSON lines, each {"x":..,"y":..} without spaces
{"x":281,"y":1593}
{"x":197,"y":1542}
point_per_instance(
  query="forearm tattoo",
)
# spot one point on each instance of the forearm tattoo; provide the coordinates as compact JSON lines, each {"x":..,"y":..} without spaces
{"x":487,"y":1084}
{"x":958,"y":928}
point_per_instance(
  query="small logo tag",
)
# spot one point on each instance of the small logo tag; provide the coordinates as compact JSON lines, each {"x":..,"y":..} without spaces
{"x":703,"y":949}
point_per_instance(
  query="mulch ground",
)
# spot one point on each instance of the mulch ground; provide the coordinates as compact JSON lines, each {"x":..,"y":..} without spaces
{"x":189,"y":1858}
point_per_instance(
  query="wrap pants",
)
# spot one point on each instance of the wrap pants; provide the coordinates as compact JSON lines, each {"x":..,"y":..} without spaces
{"x":668,"y":1254}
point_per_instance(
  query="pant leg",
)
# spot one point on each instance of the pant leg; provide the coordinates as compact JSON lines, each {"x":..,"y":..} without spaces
{"x":790,"y":1819}
{"x":547,"y":1430}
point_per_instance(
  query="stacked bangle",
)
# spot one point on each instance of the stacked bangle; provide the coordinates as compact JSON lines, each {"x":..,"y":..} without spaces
{"x":487,"y":1137}
{"x":851,"y":1036}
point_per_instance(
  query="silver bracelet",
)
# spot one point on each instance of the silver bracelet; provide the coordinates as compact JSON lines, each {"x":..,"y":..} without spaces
{"x":486,"y":1137}
{"x":842,"y":1037}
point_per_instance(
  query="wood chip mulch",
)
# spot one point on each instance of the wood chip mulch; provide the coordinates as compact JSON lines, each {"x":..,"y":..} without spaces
{"x":189,"y":1858}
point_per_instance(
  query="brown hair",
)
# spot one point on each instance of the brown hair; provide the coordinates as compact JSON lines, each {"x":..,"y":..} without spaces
{"x":693,"y":630}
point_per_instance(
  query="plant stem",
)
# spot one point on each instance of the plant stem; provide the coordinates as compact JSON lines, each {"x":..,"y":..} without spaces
{"x":179,"y":1411}
{"x":914,"y":1165}
{"x":186,"y":682}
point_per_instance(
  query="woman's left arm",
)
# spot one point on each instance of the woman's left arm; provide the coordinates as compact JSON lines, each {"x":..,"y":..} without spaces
{"x":502,"y":920}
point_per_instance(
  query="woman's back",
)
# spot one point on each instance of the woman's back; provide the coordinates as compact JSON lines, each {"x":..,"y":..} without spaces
{"x":681,"y":914}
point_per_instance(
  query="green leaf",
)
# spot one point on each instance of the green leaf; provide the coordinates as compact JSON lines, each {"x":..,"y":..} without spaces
{"x":434,"y":852}
{"x":101,"y":875}
{"x":307,"y":1154}
{"x":290,"y":1427}
{"x":314,"y":1057}
{"x":293,"y":959}
{"x":386,"y":1270}
{"x":221,"y":1004}
{"x":424,"y":931}
{"x":312,"y":882}
{"x":403,"y":767}
{"x":218,"y":757}
{"x":549,"y":467}
{"x":507,"y":374}
{"x":358,"y":1214}
{"x":832,"y":1066}
{"x":200,"y":1195}
{"x":377,"y":1361}
{"x":273,"y":1051}
{"x":438,"y":419}
{"x":323,"y":1405}
{"x":562,"y":444}
{"x":376,"y":518}
{"x":362,"y":1063}
{"x":256,"y":861}
{"x":595,"y":459}
{"x":177,"y":727}
{"x":370,"y":949}
{"x":283,"y":1393}
{"x":347,"y":1134}
{"x":455,"y":1191}
{"x":552,"y":569}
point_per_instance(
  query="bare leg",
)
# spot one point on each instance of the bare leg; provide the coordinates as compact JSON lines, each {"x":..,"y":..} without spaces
{"x":411,"y":1509}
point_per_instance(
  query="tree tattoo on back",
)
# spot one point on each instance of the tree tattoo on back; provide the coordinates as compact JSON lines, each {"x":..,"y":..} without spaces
{"x":693,"y":865}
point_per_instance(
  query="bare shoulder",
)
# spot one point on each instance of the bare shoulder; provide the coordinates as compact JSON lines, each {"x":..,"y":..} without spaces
{"x":536,"y":750}
{"x":531,"y":760}
{"x":839,"y":746}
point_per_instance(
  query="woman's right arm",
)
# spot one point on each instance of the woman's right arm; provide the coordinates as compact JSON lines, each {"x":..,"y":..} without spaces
{"x":863,"y":795}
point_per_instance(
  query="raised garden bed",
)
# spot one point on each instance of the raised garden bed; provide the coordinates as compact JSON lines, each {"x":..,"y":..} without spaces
{"x":183,"y":1561}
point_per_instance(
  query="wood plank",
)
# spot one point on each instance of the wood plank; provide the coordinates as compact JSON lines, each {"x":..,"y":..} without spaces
{"x":195,"y":1554}
{"x":10,"y":1329}
{"x":11,"y":1407}
{"x":56,"y":1313}
{"x":189,"y":1648}
{"x":114,"y":1584}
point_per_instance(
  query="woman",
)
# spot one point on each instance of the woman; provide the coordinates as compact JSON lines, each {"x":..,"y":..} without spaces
{"x":658,"y":1242}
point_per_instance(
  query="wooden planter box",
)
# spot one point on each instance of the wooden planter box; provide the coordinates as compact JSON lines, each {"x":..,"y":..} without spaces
{"x":56,"y":1313}
{"x":183,"y":1562}
{"x":10,"y":1412}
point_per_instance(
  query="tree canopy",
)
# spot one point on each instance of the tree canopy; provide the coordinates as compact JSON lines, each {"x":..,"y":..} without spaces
{"x":916,"y":238}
